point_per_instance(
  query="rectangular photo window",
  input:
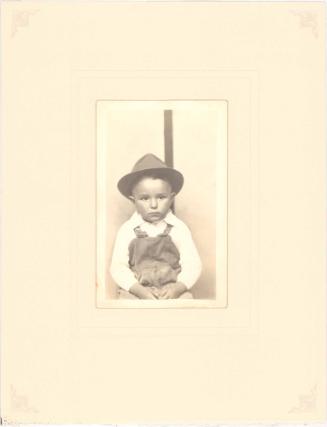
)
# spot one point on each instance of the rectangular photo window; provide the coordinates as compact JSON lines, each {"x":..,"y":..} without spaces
{"x":161,"y":204}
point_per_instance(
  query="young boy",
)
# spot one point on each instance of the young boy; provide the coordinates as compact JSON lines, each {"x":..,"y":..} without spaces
{"x":154,"y":256}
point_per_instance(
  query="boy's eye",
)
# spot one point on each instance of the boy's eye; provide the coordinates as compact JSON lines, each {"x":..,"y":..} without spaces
{"x":144,"y":198}
{"x":162,"y":197}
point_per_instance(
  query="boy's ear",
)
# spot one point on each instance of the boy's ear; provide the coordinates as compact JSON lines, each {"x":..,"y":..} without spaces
{"x":132,"y":198}
{"x":173,"y":195}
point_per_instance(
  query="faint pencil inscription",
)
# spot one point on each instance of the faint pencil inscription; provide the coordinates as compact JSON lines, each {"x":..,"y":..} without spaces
{"x":21,"y":18}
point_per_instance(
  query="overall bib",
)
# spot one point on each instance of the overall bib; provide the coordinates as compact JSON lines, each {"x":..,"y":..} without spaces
{"x":154,"y":260}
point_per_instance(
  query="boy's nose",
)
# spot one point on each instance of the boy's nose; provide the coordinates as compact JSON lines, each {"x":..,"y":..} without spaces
{"x":153,"y":203}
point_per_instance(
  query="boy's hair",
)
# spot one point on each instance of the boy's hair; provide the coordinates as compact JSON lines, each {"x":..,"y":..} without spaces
{"x":153,"y":175}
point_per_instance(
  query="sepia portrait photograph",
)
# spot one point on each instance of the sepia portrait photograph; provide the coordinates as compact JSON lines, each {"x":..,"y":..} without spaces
{"x":161,"y":203}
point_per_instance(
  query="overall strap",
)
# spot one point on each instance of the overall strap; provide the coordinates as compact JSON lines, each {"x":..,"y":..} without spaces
{"x":140,"y":233}
{"x":166,"y":230}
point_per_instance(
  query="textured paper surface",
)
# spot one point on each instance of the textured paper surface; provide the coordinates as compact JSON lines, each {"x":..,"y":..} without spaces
{"x":261,"y":359}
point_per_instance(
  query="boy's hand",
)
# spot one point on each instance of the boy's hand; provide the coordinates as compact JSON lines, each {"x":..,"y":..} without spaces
{"x":173,"y":290}
{"x":141,"y":291}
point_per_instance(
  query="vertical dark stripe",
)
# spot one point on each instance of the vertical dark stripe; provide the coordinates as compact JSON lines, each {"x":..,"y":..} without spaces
{"x":168,"y":134}
{"x":168,"y":137}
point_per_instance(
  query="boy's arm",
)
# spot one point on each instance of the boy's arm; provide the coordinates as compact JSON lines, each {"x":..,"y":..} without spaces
{"x":190,"y":262}
{"x":191,"y":265}
{"x":119,"y":268}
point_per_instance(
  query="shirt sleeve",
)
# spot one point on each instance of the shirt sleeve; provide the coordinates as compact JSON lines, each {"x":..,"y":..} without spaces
{"x":191,"y":265}
{"x":119,"y":268}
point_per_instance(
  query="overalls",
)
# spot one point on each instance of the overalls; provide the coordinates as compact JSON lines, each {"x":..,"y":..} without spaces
{"x":154,"y":260}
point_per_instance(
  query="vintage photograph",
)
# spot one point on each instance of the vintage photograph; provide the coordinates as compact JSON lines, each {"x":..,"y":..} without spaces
{"x":161,"y":203}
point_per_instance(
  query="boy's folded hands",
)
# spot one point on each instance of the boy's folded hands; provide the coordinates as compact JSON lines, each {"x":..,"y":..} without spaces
{"x":142,"y":292}
{"x":169,"y":291}
{"x":172,"y":290}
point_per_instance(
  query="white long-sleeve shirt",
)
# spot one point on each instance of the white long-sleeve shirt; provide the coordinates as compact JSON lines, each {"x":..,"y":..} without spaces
{"x":180,"y":234}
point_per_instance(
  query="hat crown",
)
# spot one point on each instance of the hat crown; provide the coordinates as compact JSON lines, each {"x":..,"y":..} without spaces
{"x":155,"y":167}
{"x":148,"y":161}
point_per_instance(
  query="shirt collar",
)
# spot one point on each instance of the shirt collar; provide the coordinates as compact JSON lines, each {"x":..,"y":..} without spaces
{"x":136,"y":219}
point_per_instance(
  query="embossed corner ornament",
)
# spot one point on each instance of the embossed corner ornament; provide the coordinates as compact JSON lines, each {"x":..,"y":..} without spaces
{"x":306,"y":403}
{"x":307,"y":19}
{"x":20,"y":402}
{"x":21,"y":18}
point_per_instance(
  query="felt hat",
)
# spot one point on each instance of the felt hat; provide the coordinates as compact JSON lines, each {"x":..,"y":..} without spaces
{"x":150,"y":164}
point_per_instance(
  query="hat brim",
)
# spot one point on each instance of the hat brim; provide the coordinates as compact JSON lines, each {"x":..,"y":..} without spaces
{"x":173,"y":176}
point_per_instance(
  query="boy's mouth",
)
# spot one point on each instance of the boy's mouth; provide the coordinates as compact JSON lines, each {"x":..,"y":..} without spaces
{"x":154,"y":214}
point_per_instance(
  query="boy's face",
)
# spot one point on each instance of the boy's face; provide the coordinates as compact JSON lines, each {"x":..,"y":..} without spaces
{"x":152,"y":198}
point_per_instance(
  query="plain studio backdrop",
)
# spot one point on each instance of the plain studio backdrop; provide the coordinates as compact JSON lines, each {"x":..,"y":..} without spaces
{"x":129,"y":129}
